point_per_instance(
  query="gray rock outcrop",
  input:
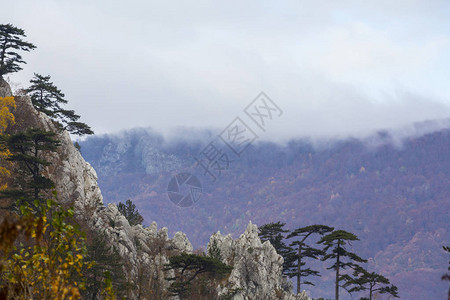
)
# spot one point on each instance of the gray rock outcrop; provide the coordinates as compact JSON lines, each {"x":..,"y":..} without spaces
{"x":257,"y":267}
{"x":5,"y":89}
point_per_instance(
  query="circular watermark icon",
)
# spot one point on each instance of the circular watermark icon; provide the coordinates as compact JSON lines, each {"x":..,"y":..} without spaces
{"x":184,"y":189}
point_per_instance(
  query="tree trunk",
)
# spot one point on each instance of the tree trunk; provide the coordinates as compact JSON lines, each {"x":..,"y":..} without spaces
{"x":181,"y":295}
{"x":299,"y":261}
{"x":2,"y":58}
{"x":337,"y":273}
{"x":36,"y":174}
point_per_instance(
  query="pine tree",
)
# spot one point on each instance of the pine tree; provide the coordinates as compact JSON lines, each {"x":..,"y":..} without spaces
{"x":78,"y":128}
{"x":274,"y":233}
{"x":27,"y":151}
{"x":47,"y":98}
{"x":363,"y":280}
{"x":303,"y":251}
{"x":335,"y":248}
{"x":446,"y":276}
{"x":77,"y":146}
{"x":130,"y":212}
{"x":188,"y":266}
{"x":106,"y":260}
{"x":11,"y":42}
{"x":214,"y":251}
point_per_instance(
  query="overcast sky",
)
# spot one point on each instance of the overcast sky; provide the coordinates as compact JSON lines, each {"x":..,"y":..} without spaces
{"x":336,"y":68}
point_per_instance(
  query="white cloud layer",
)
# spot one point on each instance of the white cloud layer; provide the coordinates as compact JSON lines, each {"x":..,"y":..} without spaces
{"x":335,"y":69}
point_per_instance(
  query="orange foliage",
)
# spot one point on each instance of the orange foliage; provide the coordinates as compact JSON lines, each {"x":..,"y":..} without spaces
{"x":6,"y":119}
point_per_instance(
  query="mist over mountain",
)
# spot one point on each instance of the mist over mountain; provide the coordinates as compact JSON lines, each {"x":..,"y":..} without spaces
{"x":391,"y":189}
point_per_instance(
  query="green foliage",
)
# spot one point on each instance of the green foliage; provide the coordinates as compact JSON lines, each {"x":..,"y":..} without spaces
{"x":10,"y":43}
{"x":447,"y":275}
{"x":78,"y":128}
{"x":363,"y":280}
{"x":47,"y":98}
{"x":214,"y":251}
{"x":130,"y":212}
{"x":28,"y":150}
{"x":188,"y":266}
{"x":77,"y":146}
{"x":303,"y":251}
{"x":335,"y":249}
{"x":275,"y":234}
{"x":107,"y":267}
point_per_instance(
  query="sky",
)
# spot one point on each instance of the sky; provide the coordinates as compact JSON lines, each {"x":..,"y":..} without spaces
{"x":335,"y":68}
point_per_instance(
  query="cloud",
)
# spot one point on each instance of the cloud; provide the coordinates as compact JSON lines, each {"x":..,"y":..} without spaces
{"x":336,"y":70}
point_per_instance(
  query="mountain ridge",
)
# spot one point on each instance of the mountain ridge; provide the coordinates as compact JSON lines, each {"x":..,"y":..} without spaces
{"x":393,"y":196}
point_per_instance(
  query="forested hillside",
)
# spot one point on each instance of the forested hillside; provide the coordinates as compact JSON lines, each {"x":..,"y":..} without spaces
{"x":393,"y":195}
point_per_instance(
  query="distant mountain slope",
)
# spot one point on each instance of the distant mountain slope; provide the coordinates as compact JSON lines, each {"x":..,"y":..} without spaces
{"x":395,"y":197}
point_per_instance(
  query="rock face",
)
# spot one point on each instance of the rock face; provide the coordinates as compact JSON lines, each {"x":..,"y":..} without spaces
{"x":257,"y":266}
{"x":5,"y":89}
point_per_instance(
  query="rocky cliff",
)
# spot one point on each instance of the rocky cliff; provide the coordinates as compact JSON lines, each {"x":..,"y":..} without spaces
{"x":256,"y":266}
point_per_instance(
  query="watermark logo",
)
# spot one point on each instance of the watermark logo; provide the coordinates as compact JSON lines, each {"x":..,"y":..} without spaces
{"x":215,"y":159}
{"x":262,"y":110}
{"x":238,"y":136}
{"x":184,"y":189}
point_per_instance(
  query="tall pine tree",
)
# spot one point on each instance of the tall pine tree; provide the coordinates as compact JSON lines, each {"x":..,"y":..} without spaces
{"x":304,"y":251}
{"x":106,"y":260}
{"x":372,"y":282}
{"x":130,"y":212}
{"x":275,"y":234}
{"x":446,"y":276}
{"x":47,"y":98}
{"x":187,"y":267}
{"x":10,"y":43}
{"x":336,"y":244}
{"x":28,"y":151}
